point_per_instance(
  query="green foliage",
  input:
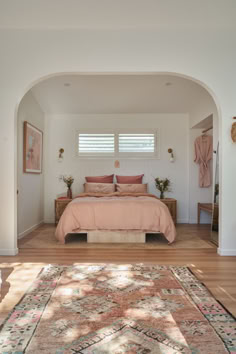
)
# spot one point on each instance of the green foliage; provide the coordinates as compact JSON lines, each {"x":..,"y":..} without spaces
{"x":163,"y":185}
{"x":68,"y":180}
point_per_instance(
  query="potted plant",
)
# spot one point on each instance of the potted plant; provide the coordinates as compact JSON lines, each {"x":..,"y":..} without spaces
{"x":163,"y":185}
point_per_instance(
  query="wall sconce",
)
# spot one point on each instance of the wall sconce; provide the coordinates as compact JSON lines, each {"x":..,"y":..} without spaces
{"x":170,"y":151}
{"x":60,"y":156}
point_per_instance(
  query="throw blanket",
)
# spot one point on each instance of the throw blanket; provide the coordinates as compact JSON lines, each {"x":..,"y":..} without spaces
{"x":116,"y":211}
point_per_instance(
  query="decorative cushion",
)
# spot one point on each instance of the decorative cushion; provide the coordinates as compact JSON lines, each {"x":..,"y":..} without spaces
{"x":99,"y":188}
{"x":131,"y":188}
{"x":130,"y":179}
{"x":100,"y":179}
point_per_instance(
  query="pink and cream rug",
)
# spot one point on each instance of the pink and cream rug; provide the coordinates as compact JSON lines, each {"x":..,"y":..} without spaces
{"x":118,"y":309}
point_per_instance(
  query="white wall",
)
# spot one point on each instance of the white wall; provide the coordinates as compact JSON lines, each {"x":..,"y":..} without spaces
{"x":30,"y":199}
{"x":203,"y":109}
{"x":61,"y":133}
{"x":207,"y":54}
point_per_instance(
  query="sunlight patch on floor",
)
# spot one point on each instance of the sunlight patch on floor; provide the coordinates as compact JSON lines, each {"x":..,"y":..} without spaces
{"x":226,"y":292}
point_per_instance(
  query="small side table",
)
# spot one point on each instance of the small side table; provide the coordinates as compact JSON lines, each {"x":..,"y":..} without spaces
{"x":171,"y":204}
{"x":60,"y":205}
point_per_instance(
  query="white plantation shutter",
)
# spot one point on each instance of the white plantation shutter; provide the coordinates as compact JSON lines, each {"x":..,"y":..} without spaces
{"x":96,"y":144}
{"x":138,"y":144}
{"x":118,"y":144}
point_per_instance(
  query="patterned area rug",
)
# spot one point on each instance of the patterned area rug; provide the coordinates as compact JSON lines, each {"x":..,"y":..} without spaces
{"x":118,"y":309}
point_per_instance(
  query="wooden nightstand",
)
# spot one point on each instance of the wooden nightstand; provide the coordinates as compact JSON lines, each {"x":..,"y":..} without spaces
{"x":60,"y":205}
{"x":172,"y":206}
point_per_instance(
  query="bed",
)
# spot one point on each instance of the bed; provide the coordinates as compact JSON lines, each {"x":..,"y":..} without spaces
{"x":116,"y":217}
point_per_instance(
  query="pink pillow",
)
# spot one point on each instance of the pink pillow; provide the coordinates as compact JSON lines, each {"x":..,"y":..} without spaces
{"x":130,"y":179}
{"x":99,"y":188}
{"x":131,"y":188}
{"x":100,"y":179}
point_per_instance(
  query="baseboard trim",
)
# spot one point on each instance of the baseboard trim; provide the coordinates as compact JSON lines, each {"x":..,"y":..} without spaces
{"x":49,"y":221}
{"x":202,"y":222}
{"x":8,"y":251}
{"x":226,"y":252}
{"x":182,"y":221}
{"x":32,"y":228}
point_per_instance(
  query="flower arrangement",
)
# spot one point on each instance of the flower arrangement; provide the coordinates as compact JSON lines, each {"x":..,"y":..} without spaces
{"x":68,"y":181}
{"x":163,"y":185}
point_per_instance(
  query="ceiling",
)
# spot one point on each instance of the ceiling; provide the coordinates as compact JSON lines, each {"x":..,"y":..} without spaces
{"x":116,"y":14}
{"x":74,"y":94}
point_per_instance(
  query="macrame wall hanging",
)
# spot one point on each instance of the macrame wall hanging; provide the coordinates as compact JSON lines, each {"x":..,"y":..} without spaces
{"x":233,"y":131}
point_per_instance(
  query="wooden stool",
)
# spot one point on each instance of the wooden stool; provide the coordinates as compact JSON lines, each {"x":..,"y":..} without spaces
{"x":208,"y":207}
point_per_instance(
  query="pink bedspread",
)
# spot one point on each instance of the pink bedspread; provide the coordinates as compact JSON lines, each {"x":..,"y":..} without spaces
{"x":116,"y":211}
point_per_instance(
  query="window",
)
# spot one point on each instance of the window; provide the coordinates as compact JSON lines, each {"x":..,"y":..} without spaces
{"x":96,"y":144}
{"x":118,"y":144}
{"x":143,"y":144}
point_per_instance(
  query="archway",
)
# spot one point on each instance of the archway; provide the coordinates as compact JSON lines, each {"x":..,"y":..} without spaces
{"x":130,"y":73}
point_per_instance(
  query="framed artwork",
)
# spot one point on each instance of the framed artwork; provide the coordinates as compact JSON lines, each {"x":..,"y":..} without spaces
{"x":33,"y":149}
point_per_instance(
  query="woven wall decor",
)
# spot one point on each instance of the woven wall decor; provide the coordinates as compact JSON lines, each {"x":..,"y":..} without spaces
{"x":233,"y":132}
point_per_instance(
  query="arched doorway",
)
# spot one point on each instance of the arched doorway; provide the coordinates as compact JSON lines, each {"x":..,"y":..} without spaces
{"x":163,"y":75}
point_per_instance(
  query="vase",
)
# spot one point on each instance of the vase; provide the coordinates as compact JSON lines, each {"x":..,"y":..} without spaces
{"x":69,"y":193}
{"x":162,"y":195}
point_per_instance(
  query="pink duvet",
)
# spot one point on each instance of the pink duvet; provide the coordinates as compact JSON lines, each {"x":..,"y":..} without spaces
{"x":116,"y":211}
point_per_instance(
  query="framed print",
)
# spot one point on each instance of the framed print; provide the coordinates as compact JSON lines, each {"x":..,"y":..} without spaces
{"x":33,"y":149}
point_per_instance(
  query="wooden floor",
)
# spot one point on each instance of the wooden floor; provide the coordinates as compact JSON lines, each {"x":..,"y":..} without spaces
{"x":187,"y":237}
{"x":216,"y":272}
